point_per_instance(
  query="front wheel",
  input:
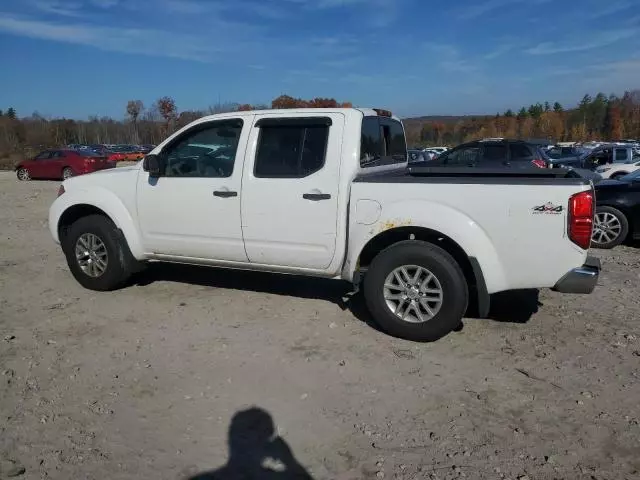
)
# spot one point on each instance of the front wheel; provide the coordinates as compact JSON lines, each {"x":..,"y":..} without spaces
{"x":97,"y":253}
{"x":610,"y":229}
{"x":23,"y":174}
{"x":416,"y":290}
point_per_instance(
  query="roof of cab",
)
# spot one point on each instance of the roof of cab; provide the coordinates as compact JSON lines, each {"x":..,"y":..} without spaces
{"x":295,"y":111}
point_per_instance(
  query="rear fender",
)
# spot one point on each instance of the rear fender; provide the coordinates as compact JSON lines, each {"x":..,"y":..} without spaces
{"x":448,"y":221}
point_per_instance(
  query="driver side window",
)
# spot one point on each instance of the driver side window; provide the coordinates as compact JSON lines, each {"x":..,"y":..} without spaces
{"x":207,"y":150}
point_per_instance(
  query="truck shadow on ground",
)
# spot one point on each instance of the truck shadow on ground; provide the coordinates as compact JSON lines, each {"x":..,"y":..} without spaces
{"x":516,"y":306}
{"x":256,"y":451}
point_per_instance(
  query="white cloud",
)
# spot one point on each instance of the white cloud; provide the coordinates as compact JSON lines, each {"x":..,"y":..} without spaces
{"x":128,"y":40}
{"x":57,"y":7}
{"x":481,"y":8}
{"x":592,"y":41}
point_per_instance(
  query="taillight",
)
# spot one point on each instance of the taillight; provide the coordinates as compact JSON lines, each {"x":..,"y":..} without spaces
{"x":581,"y":210}
{"x":539,"y":163}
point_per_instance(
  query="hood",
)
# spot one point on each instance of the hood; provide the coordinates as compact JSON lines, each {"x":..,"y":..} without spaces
{"x":607,"y":184}
{"x":102,"y":177}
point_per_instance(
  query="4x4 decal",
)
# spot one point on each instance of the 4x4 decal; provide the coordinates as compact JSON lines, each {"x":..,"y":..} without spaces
{"x":548,"y":209}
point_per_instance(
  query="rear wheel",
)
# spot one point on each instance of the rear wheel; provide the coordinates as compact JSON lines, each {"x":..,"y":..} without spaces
{"x":23,"y":174}
{"x":611,"y":228}
{"x":97,"y":253}
{"x":67,"y":173}
{"x":416,"y":291}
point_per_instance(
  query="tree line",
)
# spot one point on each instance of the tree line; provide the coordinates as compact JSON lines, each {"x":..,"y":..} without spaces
{"x":595,"y":118}
{"x":25,"y":136}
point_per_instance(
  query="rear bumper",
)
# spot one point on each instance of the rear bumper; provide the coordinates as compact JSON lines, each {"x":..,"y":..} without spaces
{"x":582,"y":279}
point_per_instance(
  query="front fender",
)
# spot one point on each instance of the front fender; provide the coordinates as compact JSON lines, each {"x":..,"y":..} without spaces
{"x":104,"y":200}
{"x":447,"y":220}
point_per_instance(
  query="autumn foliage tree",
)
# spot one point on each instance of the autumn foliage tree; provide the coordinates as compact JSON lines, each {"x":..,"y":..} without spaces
{"x":134,"y":109}
{"x":167,"y":109}
{"x":285,"y":101}
{"x":613,"y":122}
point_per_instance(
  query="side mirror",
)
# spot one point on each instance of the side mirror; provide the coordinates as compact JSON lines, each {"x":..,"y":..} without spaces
{"x":153,"y":164}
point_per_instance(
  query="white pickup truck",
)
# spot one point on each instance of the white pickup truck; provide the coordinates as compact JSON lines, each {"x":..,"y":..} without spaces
{"x":327,"y":193}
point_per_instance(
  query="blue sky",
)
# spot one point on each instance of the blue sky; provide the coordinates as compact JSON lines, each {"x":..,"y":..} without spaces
{"x":77,"y":58}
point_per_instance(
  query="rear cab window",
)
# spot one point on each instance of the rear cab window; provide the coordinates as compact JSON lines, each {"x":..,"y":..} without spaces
{"x":382,"y":142}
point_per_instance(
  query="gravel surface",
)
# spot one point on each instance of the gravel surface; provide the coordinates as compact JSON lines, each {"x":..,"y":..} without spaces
{"x":184,"y":373}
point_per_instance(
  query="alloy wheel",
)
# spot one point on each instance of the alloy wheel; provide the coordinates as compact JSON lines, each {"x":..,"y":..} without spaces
{"x":413,"y":294}
{"x":91,"y":255}
{"x":607,"y":228}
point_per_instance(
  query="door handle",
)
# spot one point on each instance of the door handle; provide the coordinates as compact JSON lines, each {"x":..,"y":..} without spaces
{"x":316,"y":196}
{"x":224,"y":193}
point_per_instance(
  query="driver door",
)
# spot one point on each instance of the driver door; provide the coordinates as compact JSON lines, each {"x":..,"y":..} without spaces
{"x":193,"y":208}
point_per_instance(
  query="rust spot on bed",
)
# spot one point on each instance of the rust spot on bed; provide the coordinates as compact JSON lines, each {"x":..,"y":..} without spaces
{"x":390,"y":224}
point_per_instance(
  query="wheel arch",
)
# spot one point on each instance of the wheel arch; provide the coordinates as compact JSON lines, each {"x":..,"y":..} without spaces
{"x":74,"y":213}
{"x":470,"y":266}
{"x":73,"y":205}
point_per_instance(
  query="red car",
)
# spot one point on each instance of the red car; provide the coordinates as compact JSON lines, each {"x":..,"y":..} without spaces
{"x":62,"y":164}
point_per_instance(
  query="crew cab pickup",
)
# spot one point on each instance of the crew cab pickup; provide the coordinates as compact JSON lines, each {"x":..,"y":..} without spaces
{"x":327,"y":193}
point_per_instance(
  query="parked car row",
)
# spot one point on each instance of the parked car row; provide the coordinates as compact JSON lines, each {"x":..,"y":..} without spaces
{"x":62,"y":163}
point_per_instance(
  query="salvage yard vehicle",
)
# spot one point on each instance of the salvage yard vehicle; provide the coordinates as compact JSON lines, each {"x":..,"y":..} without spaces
{"x":327,"y":193}
{"x":617,"y":211}
{"x":62,"y":164}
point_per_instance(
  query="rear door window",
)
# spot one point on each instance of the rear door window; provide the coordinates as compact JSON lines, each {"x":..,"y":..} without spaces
{"x":496,"y":152}
{"x":382,"y":142}
{"x":294,"y":150}
{"x":520,"y":151}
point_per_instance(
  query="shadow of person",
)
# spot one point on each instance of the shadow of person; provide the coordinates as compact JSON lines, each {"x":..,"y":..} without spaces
{"x":256,"y":451}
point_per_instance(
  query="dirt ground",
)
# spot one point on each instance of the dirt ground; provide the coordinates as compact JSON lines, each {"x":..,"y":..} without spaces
{"x":182,"y":374}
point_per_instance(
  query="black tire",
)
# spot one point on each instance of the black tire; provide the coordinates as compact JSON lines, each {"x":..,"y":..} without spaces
{"x":120,"y":262}
{"x":67,"y":173}
{"x":455,"y":292}
{"x":598,"y":240}
{"x":23,"y":174}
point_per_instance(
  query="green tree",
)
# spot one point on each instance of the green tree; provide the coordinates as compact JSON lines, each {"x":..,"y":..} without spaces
{"x":509,"y":113}
{"x":547,"y":107}
{"x":523,"y":113}
{"x":1,"y":113}
{"x":11,"y":113}
{"x":536,"y":110}
{"x":557,"y":107}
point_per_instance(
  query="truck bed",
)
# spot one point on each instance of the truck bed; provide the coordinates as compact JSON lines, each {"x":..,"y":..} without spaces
{"x":487,"y":176}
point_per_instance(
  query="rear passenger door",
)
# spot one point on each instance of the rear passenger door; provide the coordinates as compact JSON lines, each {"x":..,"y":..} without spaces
{"x":55,"y":164}
{"x":521,"y":155}
{"x":494,"y":155}
{"x":290,"y":190}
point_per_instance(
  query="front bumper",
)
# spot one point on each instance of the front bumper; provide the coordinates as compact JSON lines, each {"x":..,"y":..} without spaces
{"x":582,"y":279}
